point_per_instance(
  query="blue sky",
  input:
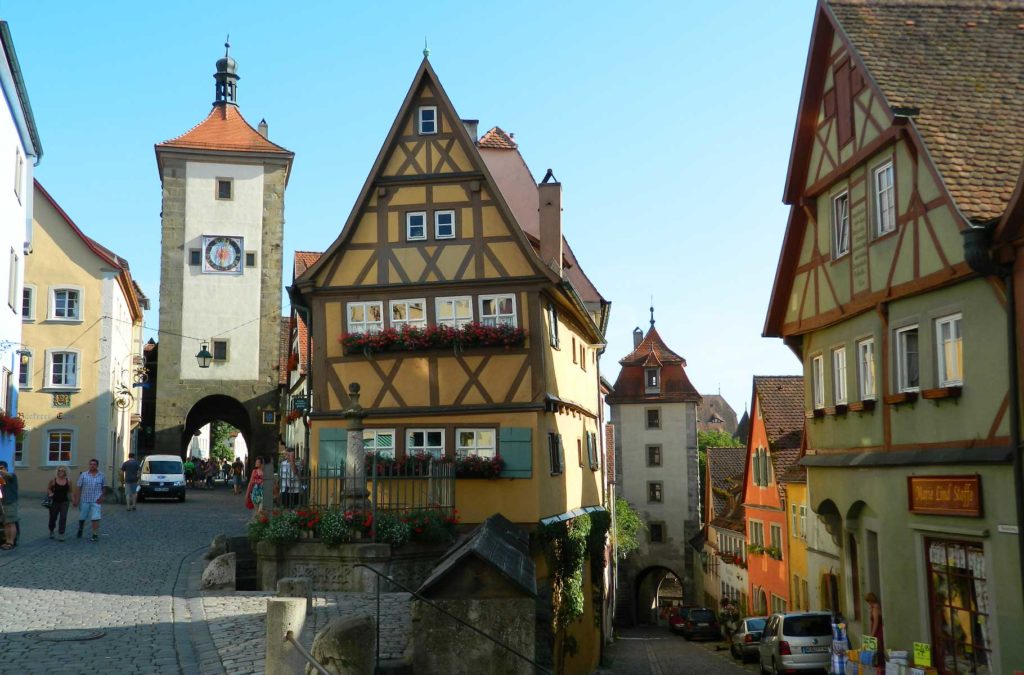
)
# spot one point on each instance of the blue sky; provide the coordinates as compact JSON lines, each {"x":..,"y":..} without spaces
{"x":668,"y":123}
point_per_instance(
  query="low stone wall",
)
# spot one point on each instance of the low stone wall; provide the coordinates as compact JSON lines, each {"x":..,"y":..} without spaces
{"x":333,"y":568}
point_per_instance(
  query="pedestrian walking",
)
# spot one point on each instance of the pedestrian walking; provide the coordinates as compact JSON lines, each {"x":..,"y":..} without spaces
{"x":237,"y":469}
{"x":190,"y":471}
{"x":876,"y":629}
{"x":9,"y":504}
{"x":59,"y":492}
{"x":289,"y":480}
{"x":88,"y":498}
{"x":254,"y":493}
{"x":130,"y":473}
{"x":211,"y":473}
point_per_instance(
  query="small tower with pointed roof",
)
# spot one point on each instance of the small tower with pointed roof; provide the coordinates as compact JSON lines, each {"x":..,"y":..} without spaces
{"x":654,"y":413}
{"x":220,"y":274}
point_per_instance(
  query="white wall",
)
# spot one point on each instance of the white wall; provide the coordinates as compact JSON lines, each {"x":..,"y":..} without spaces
{"x":222,"y":305}
{"x":199,"y":446}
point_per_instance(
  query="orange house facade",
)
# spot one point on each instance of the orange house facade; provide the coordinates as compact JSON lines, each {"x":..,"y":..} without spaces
{"x":772,"y":447}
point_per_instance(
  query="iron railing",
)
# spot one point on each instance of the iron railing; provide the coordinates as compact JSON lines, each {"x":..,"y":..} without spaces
{"x":290,"y":637}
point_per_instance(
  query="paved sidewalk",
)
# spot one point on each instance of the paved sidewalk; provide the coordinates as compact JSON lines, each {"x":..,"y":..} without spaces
{"x":130,"y":603}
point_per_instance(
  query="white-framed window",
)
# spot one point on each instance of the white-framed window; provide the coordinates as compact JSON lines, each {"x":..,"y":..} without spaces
{"x":803,"y":521}
{"x":66,"y":304}
{"x":885,"y":200}
{"x":454,"y":312}
{"x":498,"y":310}
{"x":840,"y":225}
{"x":28,"y":303}
{"x":552,"y":326}
{"x":220,"y":349}
{"x":19,"y":449}
{"x":12,"y":282}
{"x":756,"y":532}
{"x":475,"y":442}
{"x":908,"y":375}
{"x":839,"y":375}
{"x":794,"y":518}
{"x":425,"y":441}
{"x":866,"y":368}
{"x":444,"y":224}
{"x":412,"y":313}
{"x":818,"y":380}
{"x":427,"y":119}
{"x":25,"y":370}
{"x":62,"y":369}
{"x":60,"y":446}
{"x":949,"y":342}
{"x":416,"y":226}
{"x":365,"y":317}
{"x":380,"y":441}
{"x":19,"y":173}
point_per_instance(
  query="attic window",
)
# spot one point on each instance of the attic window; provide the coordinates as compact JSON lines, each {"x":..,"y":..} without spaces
{"x":652,"y":380}
{"x":428,"y":119}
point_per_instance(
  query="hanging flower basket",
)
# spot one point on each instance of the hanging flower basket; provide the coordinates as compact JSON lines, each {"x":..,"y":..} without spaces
{"x":12,"y":426}
{"x":292,"y":416}
{"x":411,"y":338}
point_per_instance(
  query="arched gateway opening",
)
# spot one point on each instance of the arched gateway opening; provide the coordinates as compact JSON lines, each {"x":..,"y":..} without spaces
{"x":216,"y":407}
{"x":658,"y":589}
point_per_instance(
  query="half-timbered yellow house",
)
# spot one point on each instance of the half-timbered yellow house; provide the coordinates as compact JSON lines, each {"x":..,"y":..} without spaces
{"x":453,"y":300}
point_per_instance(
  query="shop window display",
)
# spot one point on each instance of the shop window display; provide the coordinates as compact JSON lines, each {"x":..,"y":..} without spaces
{"x":959,"y":606}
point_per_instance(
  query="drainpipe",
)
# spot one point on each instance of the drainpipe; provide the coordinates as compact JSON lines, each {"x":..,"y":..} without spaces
{"x":978,"y":254}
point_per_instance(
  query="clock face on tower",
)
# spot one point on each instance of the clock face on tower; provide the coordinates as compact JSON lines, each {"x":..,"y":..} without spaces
{"x":222,"y":255}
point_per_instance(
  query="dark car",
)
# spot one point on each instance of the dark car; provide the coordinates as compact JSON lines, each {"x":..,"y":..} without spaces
{"x":746,"y":638}
{"x":702,"y":623}
{"x":677,"y":619}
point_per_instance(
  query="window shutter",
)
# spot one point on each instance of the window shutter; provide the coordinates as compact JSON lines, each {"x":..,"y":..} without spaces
{"x":756,"y":470}
{"x":561,"y":452}
{"x":515,"y":445}
{"x":590,"y":451}
{"x":333,"y":449}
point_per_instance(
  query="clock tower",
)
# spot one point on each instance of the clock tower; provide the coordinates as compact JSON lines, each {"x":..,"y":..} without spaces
{"x":220,"y":275}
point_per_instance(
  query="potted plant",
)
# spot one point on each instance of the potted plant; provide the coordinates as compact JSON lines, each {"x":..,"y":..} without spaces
{"x":755,"y":549}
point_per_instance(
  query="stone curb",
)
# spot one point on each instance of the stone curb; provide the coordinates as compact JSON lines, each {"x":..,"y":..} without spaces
{"x":192,"y":640}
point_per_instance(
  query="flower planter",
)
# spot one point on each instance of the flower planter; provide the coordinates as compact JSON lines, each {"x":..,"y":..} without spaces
{"x":412,"y":339}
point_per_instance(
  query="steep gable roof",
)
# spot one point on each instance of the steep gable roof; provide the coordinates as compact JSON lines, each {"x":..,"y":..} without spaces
{"x":961,"y":64}
{"x":781,"y":401}
{"x":630,"y":385}
{"x":226,"y":130}
{"x":652,"y":344}
{"x":425,"y":75}
{"x":725,"y":467}
{"x":497,"y":139}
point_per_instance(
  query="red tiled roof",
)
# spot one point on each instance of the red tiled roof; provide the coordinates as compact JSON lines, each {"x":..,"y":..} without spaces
{"x":796,"y":473}
{"x":609,"y":447}
{"x":781,"y":400}
{"x":224,"y":129}
{"x":497,"y":139}
{"x":300,"y":322}
{"x":284,"y":350}
{"x":303,"y":261}
{"x":725,"y":468}
{"x":652,"y":344}
{"x":962,"y":64}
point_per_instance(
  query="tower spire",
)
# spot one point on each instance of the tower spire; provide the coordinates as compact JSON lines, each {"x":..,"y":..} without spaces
{"x":426,"y":49}
{"x":652,"y":312}
{"x":226,"y":77}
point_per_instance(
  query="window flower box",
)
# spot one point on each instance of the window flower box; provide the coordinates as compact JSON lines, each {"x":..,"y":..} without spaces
{"x":12,"y":426}
{"x":866,"y":405}
{"x":411,"y":338}
{"x":474,"y":466}
{"x":755,"y":549}
{"x":901,"y":398}
{"x":773,"y":552}
{"x":940,"y":393}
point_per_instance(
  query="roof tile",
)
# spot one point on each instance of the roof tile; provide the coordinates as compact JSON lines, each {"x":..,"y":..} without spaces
{"x":224,"y":129}
{"x":497,"y":139}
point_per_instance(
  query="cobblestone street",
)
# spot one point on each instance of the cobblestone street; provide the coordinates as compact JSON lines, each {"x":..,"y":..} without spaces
{"x":648,"y":650}
{"x":133,"y":600}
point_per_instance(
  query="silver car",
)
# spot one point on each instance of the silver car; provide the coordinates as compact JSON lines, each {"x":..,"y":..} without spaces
{"x":797,"y":641}
{"x":745,"y":640}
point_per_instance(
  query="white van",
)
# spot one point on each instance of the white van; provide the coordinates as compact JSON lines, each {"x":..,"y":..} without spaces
{"x":163,"y":477}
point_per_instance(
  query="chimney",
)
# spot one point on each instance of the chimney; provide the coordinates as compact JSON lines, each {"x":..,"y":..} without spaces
{"x":473,"y":127}
{"x":638,"y":337}
{"x":262,"y":128}
{"x":549,"y":193}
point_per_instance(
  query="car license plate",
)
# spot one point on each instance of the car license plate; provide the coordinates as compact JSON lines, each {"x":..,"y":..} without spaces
{"x":815,"y":650}
{"x":702,"y":625}
{"x":161,"y":489}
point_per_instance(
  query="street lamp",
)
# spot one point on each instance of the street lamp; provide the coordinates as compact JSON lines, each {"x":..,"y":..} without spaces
{"x":204,"y":357}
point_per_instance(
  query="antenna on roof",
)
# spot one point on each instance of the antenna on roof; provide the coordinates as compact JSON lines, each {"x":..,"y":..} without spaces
{"x":426,"y":49}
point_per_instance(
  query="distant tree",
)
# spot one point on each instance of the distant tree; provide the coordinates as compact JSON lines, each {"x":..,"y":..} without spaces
{"x":628,"y":527}
{"x":220,"y":440}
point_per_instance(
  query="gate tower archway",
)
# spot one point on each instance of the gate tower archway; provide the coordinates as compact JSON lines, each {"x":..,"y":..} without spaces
{"x":216,"y":407}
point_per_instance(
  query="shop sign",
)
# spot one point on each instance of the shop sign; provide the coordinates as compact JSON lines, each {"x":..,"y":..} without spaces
{"x":300,"y":404}
{"x":870,"y":643}
{"x":922,"y":654}
{"x":945,"y":495}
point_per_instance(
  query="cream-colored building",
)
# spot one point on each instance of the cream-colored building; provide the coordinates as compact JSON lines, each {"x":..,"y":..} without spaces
{"x":82,"y":331}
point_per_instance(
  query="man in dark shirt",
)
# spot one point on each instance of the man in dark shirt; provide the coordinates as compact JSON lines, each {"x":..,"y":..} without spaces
{"x":10,"y":506}
{"x":130,"y":472}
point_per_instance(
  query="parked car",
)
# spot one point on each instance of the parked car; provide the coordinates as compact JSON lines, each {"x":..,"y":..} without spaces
{"x":747,"y":637}
{"x":796,"y":642}
{"x":702,"y":623}
{"x":677,"y":619}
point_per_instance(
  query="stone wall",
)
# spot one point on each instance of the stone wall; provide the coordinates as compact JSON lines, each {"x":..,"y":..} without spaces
{"x":441,"y":645}
{"x":334,"y":568}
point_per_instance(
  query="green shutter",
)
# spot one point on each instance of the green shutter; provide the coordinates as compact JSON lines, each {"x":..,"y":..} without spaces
{"x":515,"y":444}
{"x":757,"y":467}
{"x":590,"y":450}
{"x":333,"y":448}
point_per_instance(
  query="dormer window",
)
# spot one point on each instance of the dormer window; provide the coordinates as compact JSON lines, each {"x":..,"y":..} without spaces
{"x":428,"y":119}
{"x":652,"y":380}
